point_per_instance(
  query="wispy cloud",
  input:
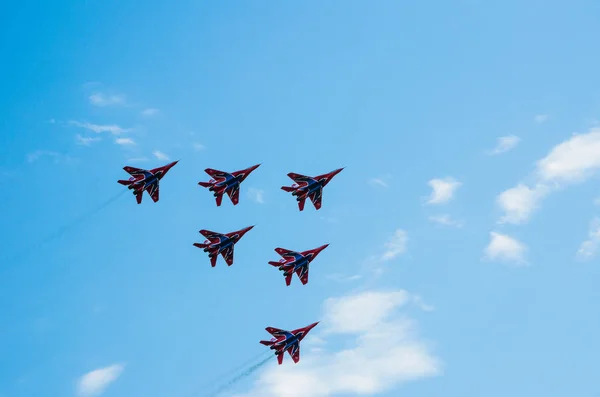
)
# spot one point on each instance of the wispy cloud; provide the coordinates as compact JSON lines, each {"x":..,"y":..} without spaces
{"x":86,"y":141}
{"x":137,"y":159}
{"x":589,"y":247}
{"x":446,"y":220}
{"x":380,"y":181}
{"x":541,"y":118}
{"x":442,"y":190}
{"x":504,"y":248}
{"x":160,"y":155}
{"x":504,"y":144}
{"x":98,"y":128}
{"x":149,"y":112}
{"x":124,"y":141}
{"x":382,"y":351}
{"x":417,"y":300}
{"x":100,"y":99}
{"x":198,"y":147}
{"x":343,"y":278}
{"x":94,"y":383}
{"x":257,"y":195}
{"x":35,"y":156}
{"x":572,"y":161}
{"x":395,"y":246}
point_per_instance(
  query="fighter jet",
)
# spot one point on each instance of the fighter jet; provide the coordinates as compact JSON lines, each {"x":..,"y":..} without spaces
{"x":311,"y":187}
{"x":218,"y":243}
{"x":145,"y":180}
{"x":224,"y":182}
{"x":289,"y":341}
{"x":296,"y":262}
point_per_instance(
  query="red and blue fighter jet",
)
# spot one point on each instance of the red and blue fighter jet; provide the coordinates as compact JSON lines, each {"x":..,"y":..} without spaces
{"x":224,"y":182}
{"x":289,"y":341}
{"x":147,"y":180}
{"x":311,"y":187}
{"x":296,"y":262}
{"x":218,"y":243}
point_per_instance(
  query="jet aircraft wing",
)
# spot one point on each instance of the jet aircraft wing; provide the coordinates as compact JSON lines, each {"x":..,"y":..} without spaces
{"x":303,"y":274}
{"x":210,"y":235}
{"x":294,"y":351}
{"x":136,"y":171}
{"x":227,"y":254}
{"x":217,"y":175}
{"x":276,"y":332}
{"x":287,"y":253}
{"x":300,"y":179}
{"x":153,"y":192}
{"x":234,"y":194}
{"x":316,"y":198}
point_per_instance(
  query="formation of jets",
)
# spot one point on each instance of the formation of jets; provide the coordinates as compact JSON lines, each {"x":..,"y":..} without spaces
{"x":291,"y":262}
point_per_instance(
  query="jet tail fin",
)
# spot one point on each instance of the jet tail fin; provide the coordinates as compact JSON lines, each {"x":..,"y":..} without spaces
{"x":204,"y":184}
{"x":200,"y":245}
{"x":287,"y":188}
{"x":266,"y":342}
{"x":276,"y":264}
{"x":125,"y":183}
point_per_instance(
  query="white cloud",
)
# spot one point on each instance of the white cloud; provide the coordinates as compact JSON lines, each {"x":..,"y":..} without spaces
{"x":504,"y":144}
{"x":97,"y":128}
{"x":396,"y":245}
{"x":124,"y":141}
{"x":443,"y":190}
{"x":94,"y":383}
{"x":446,"y":220}
{"x":198,"y":146}
{"x":572,"y":161}
{"x":372,"y":306}
{"x":504,"y":248}
{"x":149,"y":112}
{"x":160,"y":155}
{"x":589,"y":247}
{"x":541,"y":118}
{"x":257,"y":195}
{"x":597,"y":201}
{"x":382,"y":351}
{"x":100,"y":99}
{"x":519,"y":202}
{"x":86,"y":141}
{"x":421,"y":304}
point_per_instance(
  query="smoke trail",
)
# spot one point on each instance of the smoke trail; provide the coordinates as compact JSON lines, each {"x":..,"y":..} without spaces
{"x":241,"y":376}
{"x":244,"y":364}
{"x":65,"y":228}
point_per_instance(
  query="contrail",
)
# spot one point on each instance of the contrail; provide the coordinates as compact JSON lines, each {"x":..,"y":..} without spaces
{"x":241,"y":376}
{"x":65,"y":228}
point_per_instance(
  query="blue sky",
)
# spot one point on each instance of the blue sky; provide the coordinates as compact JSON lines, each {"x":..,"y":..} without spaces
{"x":462,"y":232}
